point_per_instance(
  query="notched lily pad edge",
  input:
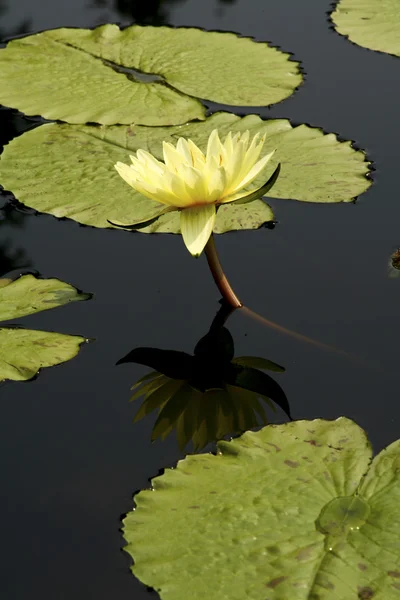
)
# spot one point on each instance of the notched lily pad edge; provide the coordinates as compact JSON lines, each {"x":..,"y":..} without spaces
{"x":215,"y":107}
{"x":369,"y":176}
{"x":331,"y":24}
{"x":207,"y":104}
{"x":219,"y":452}
{"x":84,"y":295}
{"x":39,"y":371}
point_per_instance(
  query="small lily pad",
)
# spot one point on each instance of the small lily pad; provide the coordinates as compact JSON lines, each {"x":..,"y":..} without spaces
{"x":394,"y":265}
{"x":23,"y":351}
{"x":28,"y":294}
{"x":147,"y":75}
{"x":73,"y":174}
{"x":293,"y":511}
{"x":374,"y":25}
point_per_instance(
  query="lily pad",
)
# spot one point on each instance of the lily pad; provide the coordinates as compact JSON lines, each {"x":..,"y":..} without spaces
{"x":293,"y":511}
{"x":394,"y":265}
{"x":23,"y":351}
{"x":27,"y":295}
{"x":73,"y":174}
{"x":371,"y":24}
{"x":145,"y":75}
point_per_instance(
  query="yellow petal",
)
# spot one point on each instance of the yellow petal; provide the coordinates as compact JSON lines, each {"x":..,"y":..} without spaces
{"x":214,"y":147}
{"x":216,"y":184}
{"x":183,"y":148}
{"x":154,"y":189}
{"x":187,"y":177}
{"x":198,"y":157}
{"x":178,"y":188}
{"x":253,"y":152}
{"x":172,"y":157}
{"x":228,"y":145}
{"x":255,"y":193}
{"x":249,"y":159}
{"x":149,"y":161}
{"x":244,"y":138}
{"x":233,"y":168}
{"x":126,"y":172}
{"x":255,"y":171}
{"x":197,"y":224}
{"x":235,"y":139}
{"x":195,"y":184}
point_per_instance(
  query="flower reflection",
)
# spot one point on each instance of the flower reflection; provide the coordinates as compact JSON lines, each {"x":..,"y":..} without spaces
{"x":207,"y":395}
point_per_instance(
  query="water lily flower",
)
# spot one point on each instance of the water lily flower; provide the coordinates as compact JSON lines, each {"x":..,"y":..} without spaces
{"x":196,"y":184}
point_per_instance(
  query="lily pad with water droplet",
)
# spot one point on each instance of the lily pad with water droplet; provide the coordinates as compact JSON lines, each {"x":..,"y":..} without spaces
{"x":68,"y":170}
{"x":147,"y":75}
{"x":293,"y":511}
{"x":374,"y":25}
{"x":24,"y":351}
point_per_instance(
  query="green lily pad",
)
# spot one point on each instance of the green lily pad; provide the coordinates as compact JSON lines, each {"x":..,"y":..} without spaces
{"x":374,"y":25}
{"x":73,"y":175}
{"x":294,"y":511}
{"x":23,"y":351}
{"x":230,"y":217}
{"x":145,"y":75}
{"x":27,"y":295}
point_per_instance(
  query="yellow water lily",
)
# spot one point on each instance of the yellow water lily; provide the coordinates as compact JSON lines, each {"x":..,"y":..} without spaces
{"x":196,"y":184}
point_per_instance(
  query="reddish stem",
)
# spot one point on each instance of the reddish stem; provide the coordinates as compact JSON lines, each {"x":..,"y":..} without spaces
{"x":219,"y":276}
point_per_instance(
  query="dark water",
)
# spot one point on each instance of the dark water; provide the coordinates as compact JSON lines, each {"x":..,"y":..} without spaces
{"x":70,"y":457}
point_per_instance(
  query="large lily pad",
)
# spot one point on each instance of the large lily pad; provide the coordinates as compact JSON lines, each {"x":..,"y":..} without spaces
{"x":23,"y":351}
{"x":368,"y":23}
{"x":294,"y":511}
{"x":142,"y":75}
{"x":67,"y":170}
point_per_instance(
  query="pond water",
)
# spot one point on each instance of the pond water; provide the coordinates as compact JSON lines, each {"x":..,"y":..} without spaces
{"x":70,"y":456}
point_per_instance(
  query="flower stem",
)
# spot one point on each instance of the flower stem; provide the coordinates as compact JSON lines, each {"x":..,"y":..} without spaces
{"x":219,"y":276}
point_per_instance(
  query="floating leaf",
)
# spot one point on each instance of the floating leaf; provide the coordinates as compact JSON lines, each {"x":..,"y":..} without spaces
{"x":73,"y":175}
{"x":23,"y":352}
{"x":394,"y":265}
{"x":230,"y":217}
{"x":27,"y":295}
{"x":293,"y":511}
{"x":144,"y":75}
{"x":368,"y":23}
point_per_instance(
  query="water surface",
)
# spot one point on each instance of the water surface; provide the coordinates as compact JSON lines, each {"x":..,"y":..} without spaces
{"x":70,"y":456}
